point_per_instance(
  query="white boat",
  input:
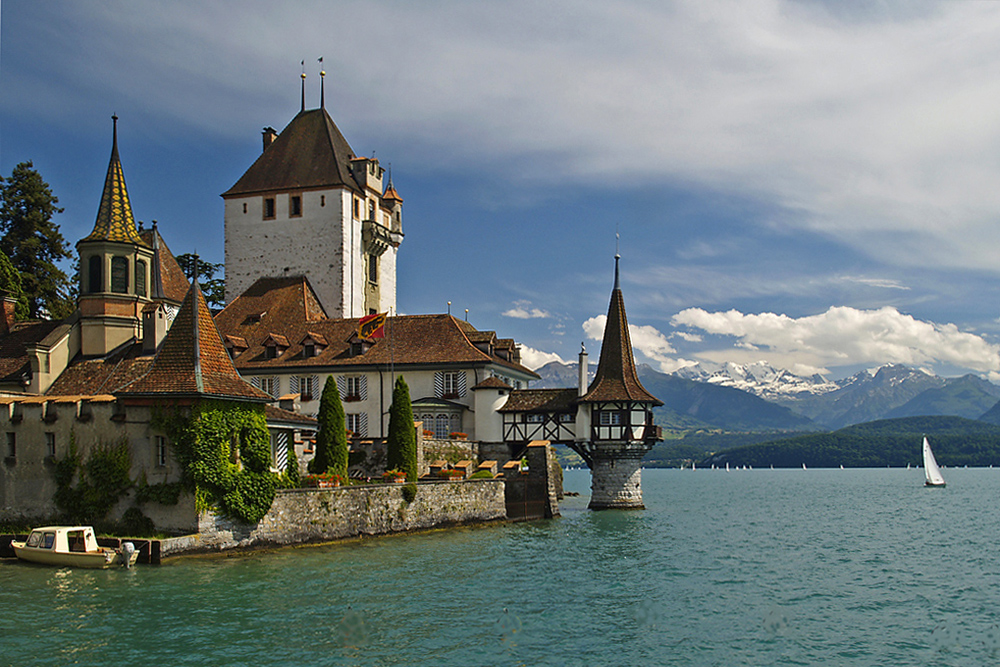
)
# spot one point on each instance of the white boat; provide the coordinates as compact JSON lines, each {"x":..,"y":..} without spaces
{"x":73,"y":546}
{"x":931,"y":470}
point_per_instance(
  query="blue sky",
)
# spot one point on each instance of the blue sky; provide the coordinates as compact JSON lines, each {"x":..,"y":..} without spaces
{"x":805,"y":183}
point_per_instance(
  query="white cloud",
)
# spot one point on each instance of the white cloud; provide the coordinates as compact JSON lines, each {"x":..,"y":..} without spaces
{"x":647,"y":341}
{"x":533,"y":358}
{"x":843,"y":336}
{"x":523,"y":312}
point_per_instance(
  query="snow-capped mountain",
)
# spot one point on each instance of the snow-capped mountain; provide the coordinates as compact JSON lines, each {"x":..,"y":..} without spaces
{"x":759,"y":378}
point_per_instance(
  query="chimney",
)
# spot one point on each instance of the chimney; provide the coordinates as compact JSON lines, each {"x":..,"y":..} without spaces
{"x":582,"y":382}
{"x":154,"y":327}
{"x":7,"y":321}
{"x":270,"y":134}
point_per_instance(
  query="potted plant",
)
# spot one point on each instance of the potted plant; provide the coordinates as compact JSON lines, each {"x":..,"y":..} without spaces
{"x":394,"y":477}
{"x":458,"y":435}
{"x":324,"y":480}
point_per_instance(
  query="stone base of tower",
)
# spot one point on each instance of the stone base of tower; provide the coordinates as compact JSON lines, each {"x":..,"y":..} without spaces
{"x":616,"y":482}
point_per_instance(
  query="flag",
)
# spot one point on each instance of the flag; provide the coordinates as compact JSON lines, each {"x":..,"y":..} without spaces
{"x":372,"y":326}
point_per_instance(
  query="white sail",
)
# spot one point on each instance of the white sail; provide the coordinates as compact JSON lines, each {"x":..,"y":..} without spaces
{"x":931,"y":469}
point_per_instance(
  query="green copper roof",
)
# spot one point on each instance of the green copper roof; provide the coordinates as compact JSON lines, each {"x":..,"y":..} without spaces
{"x":114,"y":217}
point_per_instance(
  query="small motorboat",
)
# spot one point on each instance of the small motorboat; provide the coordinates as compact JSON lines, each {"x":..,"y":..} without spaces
{"x":72,"y":546}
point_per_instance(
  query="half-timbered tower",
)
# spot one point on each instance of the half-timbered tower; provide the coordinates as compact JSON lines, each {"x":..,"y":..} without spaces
{"x":310,"y":206}
{"x":618,"y":413}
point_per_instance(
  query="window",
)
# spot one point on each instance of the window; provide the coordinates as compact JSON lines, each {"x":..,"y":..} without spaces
{"x":305,"y":388}
{"x":95,"y":279}
{"x":309,"y":350}
{"x":357,"y":424}
{"x":268,"y":208}
{"x":269,"y":386}
{"x":611,"y":418}
{"x":244,"y":208}
{"x":140,"y":278}
{"x":50,"y":444}
{"x":451,"y":384}
{"x":11,"y":445}
{"x":322,"y":200}
{"x":357,"y":209}
{"x":373,"y":268}
{"x":442,"y":427}
{"x":566,"y":417}
{"x":119,"y":274}
{"x":271,"y":352}
{"x":534,"y":418}
{"x":295,"y":206}
{"x":354,"y":388}
{"x":161,"y":451}
{"x":371,"y":209}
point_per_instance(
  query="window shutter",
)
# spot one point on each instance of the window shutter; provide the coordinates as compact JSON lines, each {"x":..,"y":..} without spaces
{"x":363,"y":389}
{"x":439,"y":384}
{"x":281,"y":450}
{"x":276,"y":387}
{"x":461,"y":382}
{"x":293,"y":384}
{"x":314,"y":386}
{"x":363,"y":424}
{"x":255,"y":382}
{"x":342,"y":386}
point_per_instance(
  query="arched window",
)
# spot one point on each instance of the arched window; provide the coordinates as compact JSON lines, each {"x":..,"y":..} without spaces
{"x":95,"y":279}
{"x":119,"y":274}
{"x":140,"y":278}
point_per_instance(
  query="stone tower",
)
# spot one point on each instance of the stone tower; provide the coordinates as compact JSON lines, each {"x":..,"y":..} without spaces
{"x":115,"y":266}
{"x":309,"y":206}
{"x":618,"y":412}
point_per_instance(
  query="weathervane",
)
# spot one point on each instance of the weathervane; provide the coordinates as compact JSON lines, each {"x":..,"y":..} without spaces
{"x":303,"y":85}
{"x":322,"y":79}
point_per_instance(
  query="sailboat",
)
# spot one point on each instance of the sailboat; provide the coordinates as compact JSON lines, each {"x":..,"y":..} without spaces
{"x":931,"y":469}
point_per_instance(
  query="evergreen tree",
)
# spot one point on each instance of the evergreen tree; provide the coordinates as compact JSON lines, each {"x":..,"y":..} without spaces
{"x":32,"y":241}
{"x":10,"y":286}
{"x":331,"y":441}
{"x":401,"y":443}
{"x":213,"y":288}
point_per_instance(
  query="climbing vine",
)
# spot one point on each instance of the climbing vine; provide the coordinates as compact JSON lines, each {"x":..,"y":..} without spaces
{"x":225,"y":452}
{"x":101,"y":480}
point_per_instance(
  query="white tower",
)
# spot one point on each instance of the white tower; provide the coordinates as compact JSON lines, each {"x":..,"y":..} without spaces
{"x":310,"y":206}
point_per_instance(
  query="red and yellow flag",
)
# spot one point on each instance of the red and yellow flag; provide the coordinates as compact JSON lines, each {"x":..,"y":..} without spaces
{"x":372,"y":326}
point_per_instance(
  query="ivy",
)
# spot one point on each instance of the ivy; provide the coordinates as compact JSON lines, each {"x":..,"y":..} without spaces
{"x":224,"y":449}
{"x":164,"y":494}
{"x":101,"y":481}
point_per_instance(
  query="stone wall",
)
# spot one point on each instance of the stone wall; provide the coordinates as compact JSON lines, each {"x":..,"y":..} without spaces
{"x":314,"y":515}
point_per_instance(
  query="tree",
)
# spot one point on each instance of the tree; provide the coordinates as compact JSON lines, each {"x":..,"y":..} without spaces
{"x":401,"y":443}
{"x":33,"y":241}
{"x":331,"y":441}
{"x":213,"y":288}
{"x":10,"y":285}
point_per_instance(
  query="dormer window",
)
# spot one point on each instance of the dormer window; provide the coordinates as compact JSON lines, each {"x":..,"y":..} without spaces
{"x":309,"y":351}
{"x":312,"y":344}
{"x":235,"y":345}
{"x":274,"y":346}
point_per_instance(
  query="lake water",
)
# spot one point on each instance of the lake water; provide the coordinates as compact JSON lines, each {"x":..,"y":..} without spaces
{"x":754,"y":567}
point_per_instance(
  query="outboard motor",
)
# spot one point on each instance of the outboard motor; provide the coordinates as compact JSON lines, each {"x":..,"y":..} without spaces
{"x":125,"y":554}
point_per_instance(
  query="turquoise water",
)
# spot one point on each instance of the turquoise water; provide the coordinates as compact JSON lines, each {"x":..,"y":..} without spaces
{"x":755,"y":567}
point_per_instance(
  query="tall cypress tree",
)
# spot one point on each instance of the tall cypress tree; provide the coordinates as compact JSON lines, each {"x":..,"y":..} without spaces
{"x":401,"y":443}
{"x":331,"y":441}
{"x":32,"y":241}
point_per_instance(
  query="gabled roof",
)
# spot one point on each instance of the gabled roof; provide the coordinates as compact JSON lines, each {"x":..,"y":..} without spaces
{"x":309,"y":153}
{"x":541,"y":400}
{"x":192,"y":361}
{"x":616,"y":378}
{"x":14,"y":358}
{"x":114,"y":216}
{"x":440,"y":340}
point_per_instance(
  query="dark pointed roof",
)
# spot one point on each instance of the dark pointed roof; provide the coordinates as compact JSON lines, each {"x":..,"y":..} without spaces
{"x":114,"y":216}
{"x":309,"y":153}
{"x":193,"y":362}
{"x":616,"y":378}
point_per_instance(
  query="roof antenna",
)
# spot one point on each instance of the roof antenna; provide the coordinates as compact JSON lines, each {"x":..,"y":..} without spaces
{"x":322,"y":78}
{"x":617,"y":255}
{"x":303,"y":85}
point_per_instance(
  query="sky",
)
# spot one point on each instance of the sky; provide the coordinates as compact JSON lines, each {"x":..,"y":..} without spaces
{"x":812,"y":184}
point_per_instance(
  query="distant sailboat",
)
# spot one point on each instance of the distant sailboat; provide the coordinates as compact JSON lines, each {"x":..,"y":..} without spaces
{"x":931,"y":469}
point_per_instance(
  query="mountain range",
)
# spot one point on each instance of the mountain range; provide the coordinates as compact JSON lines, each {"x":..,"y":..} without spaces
{"x":759,"y":397}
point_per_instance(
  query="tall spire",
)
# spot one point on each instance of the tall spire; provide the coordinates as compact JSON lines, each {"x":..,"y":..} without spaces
{"x":616,"y":378}
{"x":115,"y":221}
{"x":303,"y":85}
{"x":322,"y":80}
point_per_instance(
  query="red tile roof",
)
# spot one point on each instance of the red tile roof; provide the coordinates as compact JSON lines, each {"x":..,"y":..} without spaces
{"x":14,"y":359}
{"x":541,"y":400}
{"x":192,"y":361}
{"x":409,"y":339}
{"x":173,"y":284}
